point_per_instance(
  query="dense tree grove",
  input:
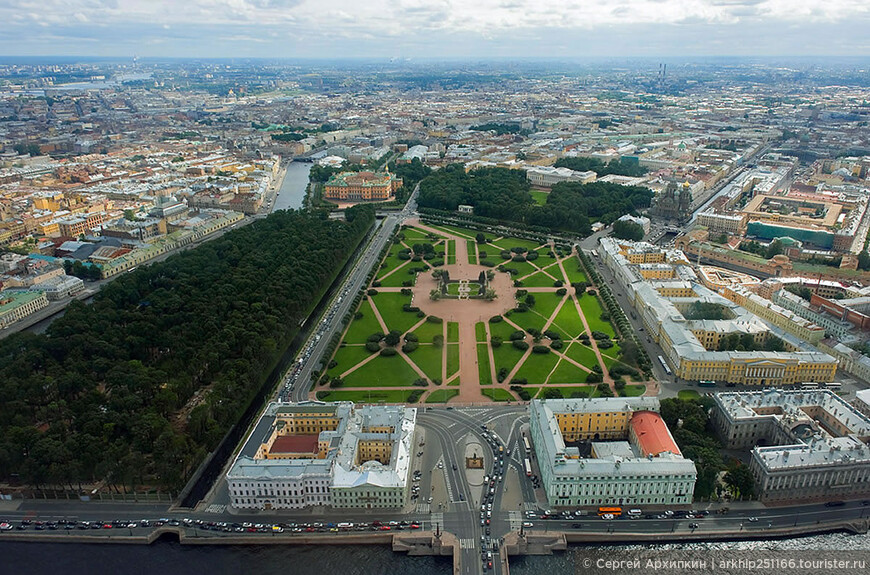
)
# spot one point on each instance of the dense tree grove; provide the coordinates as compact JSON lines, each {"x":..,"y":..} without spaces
{"x":627,"y":230}
{"x":138,"y":386}
{"x":503,"y":194}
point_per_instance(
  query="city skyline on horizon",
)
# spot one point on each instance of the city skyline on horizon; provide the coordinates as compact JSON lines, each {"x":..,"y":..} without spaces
{"x":450,"y":29}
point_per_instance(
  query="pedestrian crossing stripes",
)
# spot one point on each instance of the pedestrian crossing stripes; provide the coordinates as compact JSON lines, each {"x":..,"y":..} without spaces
{"x":215,"y":508}
{"x":466,"y":543}
{"x":423,"y":508}
{"x":516,"y":520}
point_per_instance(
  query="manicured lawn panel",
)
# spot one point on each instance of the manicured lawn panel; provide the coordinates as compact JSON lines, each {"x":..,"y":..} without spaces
{"x":480,"y":331}
{"x":483,"y":364}
{"x":360,"y":329}
{"x":498,"y":394}
{"x":685,"y":394}
{"x":568,"y":320}
{"x":537,"y":367}
{"x":382,"y":372}
{"x":390,"y":306}
{"x":452,"y":359}
{"x":472,"y":254}
{"x":592,"y":311}
{"x":428,"y":358}
{"x":442,"y":395}
{"x":401,"y":275}
{"x":503,"y":329}
{"x":567,"y":372}
{"x":541,"y":279}
{"x":636,"y":390}
{"x":506,"y":356}
{"x":528,"y":320}
{"x":572,"y":268}
{"x":428,"y":330}
{"x":361,"y":396}
{"x":391,"y":261}
{"x":582,"y":354}
{"x":539,"y":197}
{"x":509,"y":243}
{"x":452,"y":332}
{"x":347,"y":357}
{"x":524,"y":268}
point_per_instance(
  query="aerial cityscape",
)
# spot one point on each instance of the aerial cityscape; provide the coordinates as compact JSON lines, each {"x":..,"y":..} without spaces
{"x":458,"y":291}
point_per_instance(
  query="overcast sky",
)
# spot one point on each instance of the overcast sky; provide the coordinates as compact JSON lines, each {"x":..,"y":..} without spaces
{"x":434,"y":28}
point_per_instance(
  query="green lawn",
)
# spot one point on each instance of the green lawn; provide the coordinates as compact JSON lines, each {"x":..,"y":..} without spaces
{"x":414,"y":235}
{"x":362,"y":396}
{"x":427,"y":330}
{"x":536,"y":317}
{"x":442,"y":395}
{"x":539,"y":197}
{"x":509,"y":243}
{"x":480,"y":331}
{"x":453,"y":288}
{"x":347,"y":357}
{"x":454,"y":230}
{"x":592,"y":311}
{"x":506,"y":356}
{"x":540,"y":279}
{"x":361,"y":329}
{"x":391,"y":261}
{"x":483,"y":364}
{"x":574,"y":271}
{"x":401,"y":275}
{"x":686,"y":394}
{"x":382,"y":372}
{"x":537,"y":367}
{"x":452,"y":359}
{"x":503,"y":329}
{"x":472,"y":254}
{"x":582,"y":354}
{"x":430,"y":359}
{"x":451,"y":253}
{"x":568,"y":320}
{"x":452,"y":332}
{"x":567,"y":372}
{"x":524,"y":268}
{"x":390,"y":306}
{"x":636,"y":390}
{"x":498,"y":394}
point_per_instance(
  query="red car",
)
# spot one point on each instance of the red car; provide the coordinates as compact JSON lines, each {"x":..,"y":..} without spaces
{"x":414,"y":526}
{"x":385,"y":527}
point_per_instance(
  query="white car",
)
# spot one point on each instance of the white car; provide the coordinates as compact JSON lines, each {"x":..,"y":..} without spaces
{"x":528,"y":524}
{"x":608,"y":516}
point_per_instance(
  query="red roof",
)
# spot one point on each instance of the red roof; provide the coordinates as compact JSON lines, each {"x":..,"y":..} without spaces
{"x":652,"y":434}
{"x":294,"y":444}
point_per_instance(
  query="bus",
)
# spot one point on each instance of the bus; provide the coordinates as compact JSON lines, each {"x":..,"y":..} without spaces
{"x":615,"y":511}
{"x":665,"y":365}
{"x":834,"y":386}
{"x":809,"y":385}
{"x":526,"y":444}
{"x":528,"y":466}
{"x":706,"y":384}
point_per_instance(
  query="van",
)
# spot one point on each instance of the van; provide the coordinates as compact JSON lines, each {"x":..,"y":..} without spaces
{"x":634,"y":513}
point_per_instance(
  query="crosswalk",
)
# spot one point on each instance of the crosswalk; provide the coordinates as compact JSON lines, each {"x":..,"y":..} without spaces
{"x":215,"y":508}
{"x":466,"y":543}
{"x":516,"y":520}
{"x":423,"y":508}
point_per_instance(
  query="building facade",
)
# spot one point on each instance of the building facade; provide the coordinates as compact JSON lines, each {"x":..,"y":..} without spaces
{"x":805,"y":445}
{"x":339,"y":455}
{"x":361,"y":186}
{"x":629,"y":457}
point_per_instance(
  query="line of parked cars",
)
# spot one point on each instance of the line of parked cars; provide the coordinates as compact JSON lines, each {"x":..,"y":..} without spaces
{"x":220,"y":526}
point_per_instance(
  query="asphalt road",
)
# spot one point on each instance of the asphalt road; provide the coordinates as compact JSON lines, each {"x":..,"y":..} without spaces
{"x":297,"y":382}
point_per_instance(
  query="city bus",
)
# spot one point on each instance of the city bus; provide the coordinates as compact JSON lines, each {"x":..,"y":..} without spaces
{"x":615,"y":511}
{"x":834,"y":386}
{"x":528,"y":466}
{"x":706,"y":384}
{"x":809,"y":385}
{"x":526,"y":444}
{"x":665,"y":365}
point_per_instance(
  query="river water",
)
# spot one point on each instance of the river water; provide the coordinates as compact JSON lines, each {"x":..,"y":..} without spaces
{"x":292,"y":190}
{"x":172,"y":558}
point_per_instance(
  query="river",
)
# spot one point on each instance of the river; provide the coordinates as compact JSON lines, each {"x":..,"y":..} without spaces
{"x":172,"y":558}
{"x":292,"y":190}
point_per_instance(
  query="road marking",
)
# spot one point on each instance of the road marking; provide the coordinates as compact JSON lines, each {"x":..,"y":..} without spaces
{"x":516,"y":520}
{"x":216,"y":508}
{"x":423,"y":508}
{"x":466,"y":543}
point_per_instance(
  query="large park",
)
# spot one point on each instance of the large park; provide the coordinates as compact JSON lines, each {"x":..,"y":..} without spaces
{"x":462,"y":315}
